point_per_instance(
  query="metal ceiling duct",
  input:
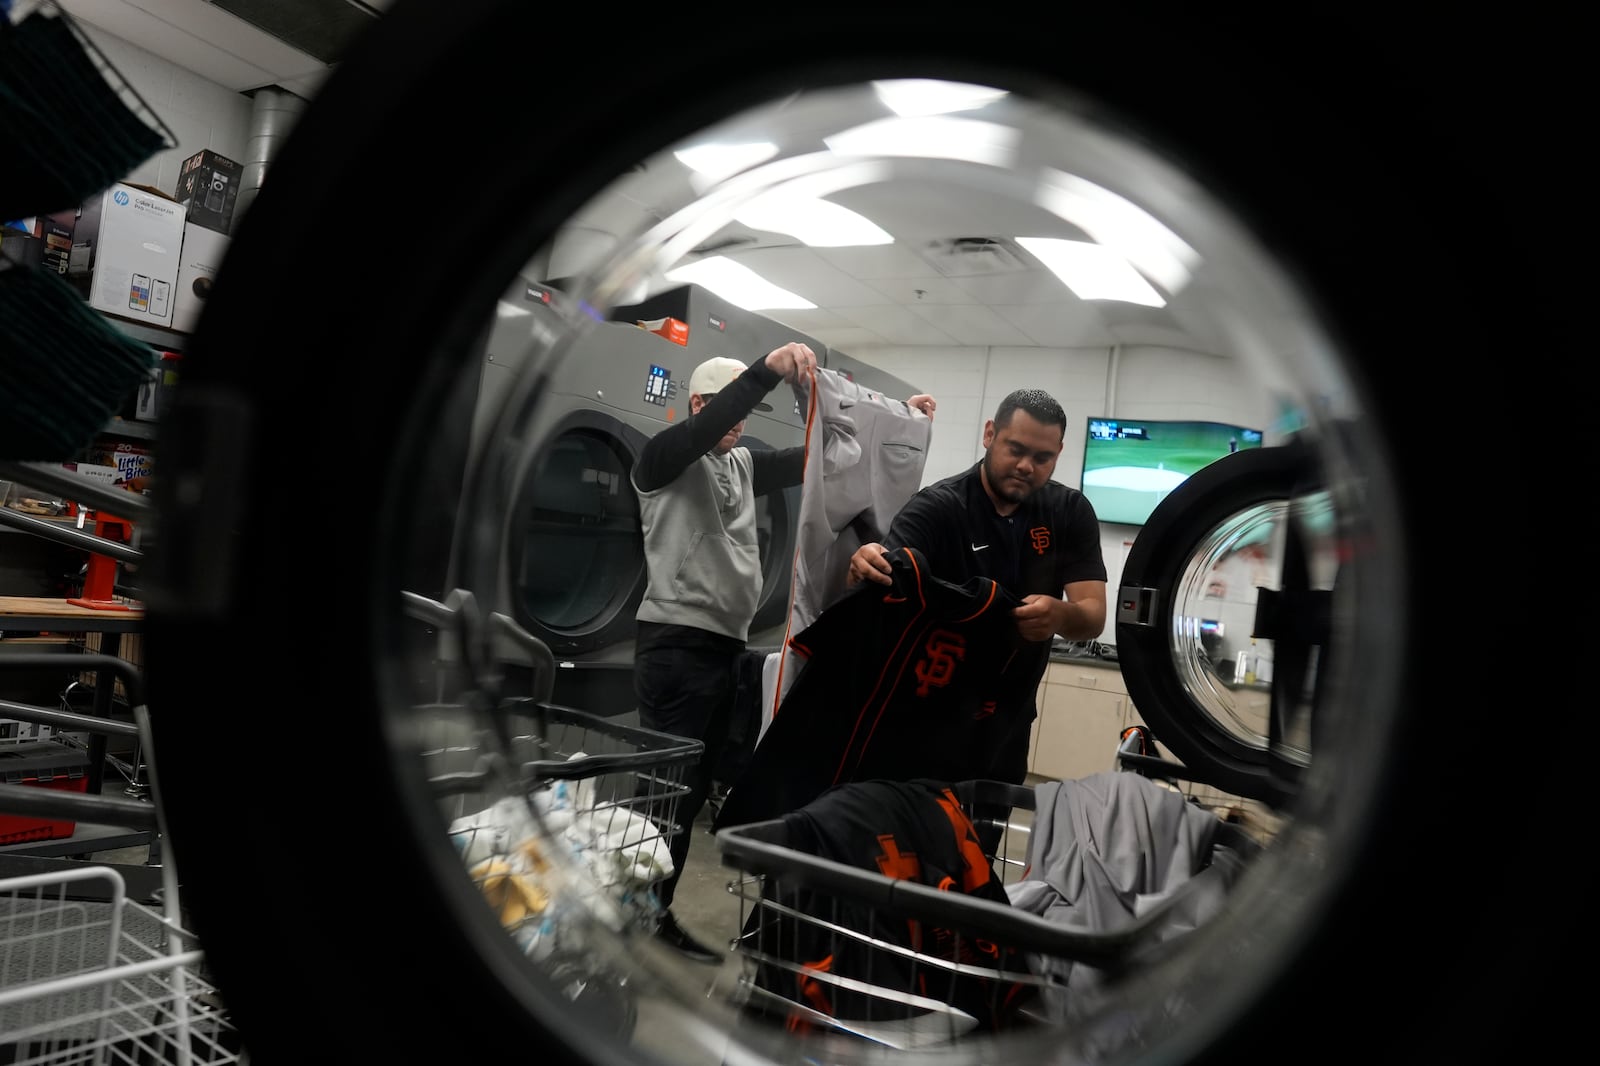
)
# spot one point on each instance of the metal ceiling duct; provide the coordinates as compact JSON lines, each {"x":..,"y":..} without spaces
{"x":272,"y":116}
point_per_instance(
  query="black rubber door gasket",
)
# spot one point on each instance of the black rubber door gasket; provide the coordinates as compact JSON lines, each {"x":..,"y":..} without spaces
{"x":449,"y":144}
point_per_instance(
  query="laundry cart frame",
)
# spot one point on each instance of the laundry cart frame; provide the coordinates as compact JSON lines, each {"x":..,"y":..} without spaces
{"x":611,"y":774}
{"x":905,"y":981}
{"x":605,"y":773}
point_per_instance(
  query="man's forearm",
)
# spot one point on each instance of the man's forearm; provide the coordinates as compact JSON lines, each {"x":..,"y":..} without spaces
{"x":1080,"y":620}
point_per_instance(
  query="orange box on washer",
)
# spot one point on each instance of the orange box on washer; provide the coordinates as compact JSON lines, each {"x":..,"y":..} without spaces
{"x":44,"y":764}
{"x":675,"y":330}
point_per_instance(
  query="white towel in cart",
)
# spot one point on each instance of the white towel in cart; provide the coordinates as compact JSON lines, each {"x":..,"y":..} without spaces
{"x":550,"y":906}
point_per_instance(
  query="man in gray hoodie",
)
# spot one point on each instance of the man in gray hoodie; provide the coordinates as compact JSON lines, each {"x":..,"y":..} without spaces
{"x":697,"y":503}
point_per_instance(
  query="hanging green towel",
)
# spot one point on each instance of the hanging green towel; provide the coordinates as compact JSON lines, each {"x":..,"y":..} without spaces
{"x":65,"y":369}
{"x":67,"y":131}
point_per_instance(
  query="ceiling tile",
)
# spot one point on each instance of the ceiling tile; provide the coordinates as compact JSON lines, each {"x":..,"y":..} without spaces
{"x":322,"y":29}
{"x":971,"y":324}
{"x":914,"y":292}
{"x":307,"y":85}
{"x":232,"y":35}
{"x":805,"y":272}
{"x":1148,"y":333}
{"x":848,"y":338}
{"x":1022,"y":287}
{"x":1058,"y":325}
{"x":810,"y":320}
{"x":176,"y":45}
{"x":898,"y":325}
{"x":878,"y":261}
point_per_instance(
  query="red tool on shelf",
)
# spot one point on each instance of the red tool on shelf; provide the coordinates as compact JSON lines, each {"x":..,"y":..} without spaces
{"x":99,"y":583}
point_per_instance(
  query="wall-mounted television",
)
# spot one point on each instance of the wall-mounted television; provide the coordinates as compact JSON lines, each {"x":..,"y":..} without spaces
{"x":1131,"y":464}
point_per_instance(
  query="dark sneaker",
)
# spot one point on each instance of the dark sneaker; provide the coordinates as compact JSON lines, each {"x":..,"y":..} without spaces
{"x":676,"y":936}
{"x":715,"y":797}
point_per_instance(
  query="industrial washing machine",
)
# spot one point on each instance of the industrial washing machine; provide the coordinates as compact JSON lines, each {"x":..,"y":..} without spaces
{"x":574,"y":568}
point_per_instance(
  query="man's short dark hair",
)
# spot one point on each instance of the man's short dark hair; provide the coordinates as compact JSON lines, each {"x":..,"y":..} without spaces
{"x":1038,"y":403}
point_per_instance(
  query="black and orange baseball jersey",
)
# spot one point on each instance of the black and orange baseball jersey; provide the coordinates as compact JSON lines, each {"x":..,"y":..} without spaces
{"x":905,"y":831}
{"x":1051,"y":540}
{"x":912,"y":680}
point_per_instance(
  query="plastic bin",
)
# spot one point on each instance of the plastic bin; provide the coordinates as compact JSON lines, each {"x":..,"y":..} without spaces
{"x":44,"y":764}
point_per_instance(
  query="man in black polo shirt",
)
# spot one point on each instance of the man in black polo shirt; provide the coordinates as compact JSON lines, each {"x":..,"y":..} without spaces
{"x":1004,"y":519}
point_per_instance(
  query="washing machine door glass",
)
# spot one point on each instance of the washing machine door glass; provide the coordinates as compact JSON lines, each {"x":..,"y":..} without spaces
{"x":1221,"y":624}
{"x":578,"y":551}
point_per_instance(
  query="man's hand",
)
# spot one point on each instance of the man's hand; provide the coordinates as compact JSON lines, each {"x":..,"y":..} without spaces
{"x":870,"y":564}
{"x":794,"y":361}
{"x":923,"y":402}
{"x":1037,"y":618}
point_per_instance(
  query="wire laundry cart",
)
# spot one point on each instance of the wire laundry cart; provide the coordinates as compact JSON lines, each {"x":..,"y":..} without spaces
{"x":562,"y":817}
{"x":832,"y":948}
{"x":88,"y":975}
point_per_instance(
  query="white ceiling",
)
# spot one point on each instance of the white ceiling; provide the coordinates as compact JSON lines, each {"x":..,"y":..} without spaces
{"x":205,"y":39}
{"x":921,"y":290}
{"x":914,"y":292}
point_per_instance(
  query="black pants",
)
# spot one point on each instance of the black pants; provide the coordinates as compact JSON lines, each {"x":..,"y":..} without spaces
{"x":687,"y":689}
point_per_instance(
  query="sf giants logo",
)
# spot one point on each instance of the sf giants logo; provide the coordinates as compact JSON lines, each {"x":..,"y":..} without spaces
{"x":1041,"y":538}
{"x":944,"y":650}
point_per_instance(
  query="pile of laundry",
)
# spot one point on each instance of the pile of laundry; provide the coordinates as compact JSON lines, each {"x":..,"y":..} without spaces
{"x":540,"y":859}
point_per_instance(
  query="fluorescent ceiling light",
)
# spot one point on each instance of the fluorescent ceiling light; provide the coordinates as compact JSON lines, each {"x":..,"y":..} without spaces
{"x":915,"y":96}
{"x":1121,"y":225}
{"x":738,"y":284}
{"x":932,"y":137}
{"x":819,"y":223}
{"x":718,"y":161}
{"x":1093,"y":272}
{"x":506,"y":310}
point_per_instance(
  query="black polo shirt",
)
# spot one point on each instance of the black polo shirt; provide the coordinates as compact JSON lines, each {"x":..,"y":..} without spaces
{"x":1051,"y":540}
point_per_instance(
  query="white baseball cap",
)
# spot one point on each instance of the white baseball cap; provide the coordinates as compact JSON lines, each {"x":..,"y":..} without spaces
{"x":716,"y":374}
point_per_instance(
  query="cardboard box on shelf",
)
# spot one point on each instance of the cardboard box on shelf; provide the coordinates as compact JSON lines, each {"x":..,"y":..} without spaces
{"x":202,"y":254}
{"x":57,"y":237}
{"x":96,"y":471}
{"x":208,"y":187}
{"x":135,"y":251}
{"x":52,"y":234}
{"x":129,"y":459}
{"x":19,"y":246}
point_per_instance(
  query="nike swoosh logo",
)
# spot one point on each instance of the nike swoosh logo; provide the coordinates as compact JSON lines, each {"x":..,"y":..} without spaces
{"x":979,"y":547}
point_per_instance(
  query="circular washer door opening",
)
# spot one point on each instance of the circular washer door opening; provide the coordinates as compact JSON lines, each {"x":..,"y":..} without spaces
{"x":467,"y":964}
{"x":577,"y":551}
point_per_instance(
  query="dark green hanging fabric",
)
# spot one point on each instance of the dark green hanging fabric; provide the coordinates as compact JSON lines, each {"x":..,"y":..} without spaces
{"x":65,"y":369}
{"x":66,"y":131}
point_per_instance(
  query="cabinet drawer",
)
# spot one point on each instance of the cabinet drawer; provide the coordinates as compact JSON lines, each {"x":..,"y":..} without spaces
{"x":1078,"y":675}
{"x":1078,"y":732}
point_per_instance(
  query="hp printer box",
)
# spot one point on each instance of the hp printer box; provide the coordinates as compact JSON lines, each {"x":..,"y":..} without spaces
{"x":208,"y":185}
{"x":135,"y":248}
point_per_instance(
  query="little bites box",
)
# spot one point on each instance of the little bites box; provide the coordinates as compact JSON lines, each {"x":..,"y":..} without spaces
{"x":136,"y":254}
